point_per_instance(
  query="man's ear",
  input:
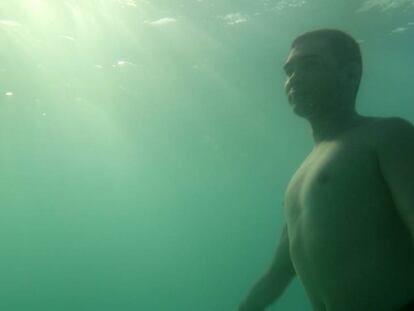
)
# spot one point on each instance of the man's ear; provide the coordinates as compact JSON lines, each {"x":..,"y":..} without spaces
{"x":350,"y":74}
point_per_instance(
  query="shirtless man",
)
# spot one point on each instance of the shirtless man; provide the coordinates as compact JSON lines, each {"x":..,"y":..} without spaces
{"x":349,"y":208}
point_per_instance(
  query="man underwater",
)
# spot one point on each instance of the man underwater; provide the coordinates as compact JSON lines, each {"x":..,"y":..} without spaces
{"x":349,"y":208}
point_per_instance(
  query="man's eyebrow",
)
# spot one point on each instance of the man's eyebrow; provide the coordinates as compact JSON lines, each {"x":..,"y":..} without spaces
{"x":300,"y":57}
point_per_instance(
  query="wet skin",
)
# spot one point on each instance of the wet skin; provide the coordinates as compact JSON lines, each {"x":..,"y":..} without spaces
{"x":349,"y":208}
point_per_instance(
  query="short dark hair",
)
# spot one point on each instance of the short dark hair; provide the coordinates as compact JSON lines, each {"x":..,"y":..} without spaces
{"x":342,"y":45}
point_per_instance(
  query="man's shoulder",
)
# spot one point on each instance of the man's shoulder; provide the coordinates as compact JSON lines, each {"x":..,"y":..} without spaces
{"x":389,"y":130}
{"x":389,"y":127}
{"x":376,"y":131}
{"x":391,"y":121}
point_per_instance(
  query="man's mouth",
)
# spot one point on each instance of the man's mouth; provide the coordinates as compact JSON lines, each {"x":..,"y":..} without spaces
{"x":294,"y":90}
{"x":294,"y":93}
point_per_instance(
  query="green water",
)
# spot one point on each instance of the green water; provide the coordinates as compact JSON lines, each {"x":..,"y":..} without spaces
{"x":145,"y":145}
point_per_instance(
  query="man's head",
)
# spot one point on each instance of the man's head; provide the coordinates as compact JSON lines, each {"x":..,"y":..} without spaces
{"x":323,"y":69}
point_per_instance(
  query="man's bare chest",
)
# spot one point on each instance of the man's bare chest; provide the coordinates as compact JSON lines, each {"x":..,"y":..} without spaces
{"x":331,"y":171}
{"x":338,"y":186}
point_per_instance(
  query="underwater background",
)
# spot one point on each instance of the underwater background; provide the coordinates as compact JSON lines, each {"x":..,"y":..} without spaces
{"x":145,"y":145}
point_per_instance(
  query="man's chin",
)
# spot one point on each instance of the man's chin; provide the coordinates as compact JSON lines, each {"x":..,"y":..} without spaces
{"x":302,"y":109}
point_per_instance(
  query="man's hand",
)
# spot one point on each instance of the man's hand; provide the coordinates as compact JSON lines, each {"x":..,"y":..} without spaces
{"x":272,"y":284}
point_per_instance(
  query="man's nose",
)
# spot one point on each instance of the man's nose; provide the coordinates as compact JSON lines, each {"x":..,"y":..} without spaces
{"x":287,"y":85}
{"x":294,"y":79}
{"x":290,"y":80}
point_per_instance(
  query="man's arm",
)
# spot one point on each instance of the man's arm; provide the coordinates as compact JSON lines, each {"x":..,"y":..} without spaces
{"x":272,"y":284}
{"x":395,"y":152}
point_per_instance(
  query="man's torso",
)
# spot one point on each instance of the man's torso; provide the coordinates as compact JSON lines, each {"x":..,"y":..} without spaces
{"x":348,"y":245}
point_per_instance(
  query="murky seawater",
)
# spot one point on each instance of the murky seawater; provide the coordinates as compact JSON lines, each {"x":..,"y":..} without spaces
{"x":145,"y":145}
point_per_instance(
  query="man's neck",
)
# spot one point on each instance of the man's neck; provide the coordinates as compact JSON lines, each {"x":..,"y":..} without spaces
{"x":327,"y":127}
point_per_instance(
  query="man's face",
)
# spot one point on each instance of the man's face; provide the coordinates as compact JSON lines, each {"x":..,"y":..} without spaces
{"x":313,"y":78}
